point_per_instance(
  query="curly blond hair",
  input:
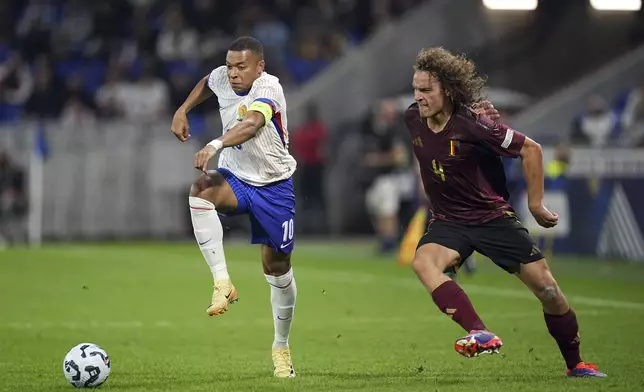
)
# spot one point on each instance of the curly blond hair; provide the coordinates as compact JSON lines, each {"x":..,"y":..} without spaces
{"x":456,"y":73}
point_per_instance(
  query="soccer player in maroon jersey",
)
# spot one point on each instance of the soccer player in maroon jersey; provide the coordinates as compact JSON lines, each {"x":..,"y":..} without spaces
{"x":459,"y":153}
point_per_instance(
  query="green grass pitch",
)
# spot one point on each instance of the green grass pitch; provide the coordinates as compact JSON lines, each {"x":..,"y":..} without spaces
{"x":361,"y":322}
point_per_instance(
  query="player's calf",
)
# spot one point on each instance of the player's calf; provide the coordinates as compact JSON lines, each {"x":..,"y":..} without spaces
{"x":430,"y":262}
{"x":560,"y":319}
{"x":538,"y":278}
{"x":206,"y":196}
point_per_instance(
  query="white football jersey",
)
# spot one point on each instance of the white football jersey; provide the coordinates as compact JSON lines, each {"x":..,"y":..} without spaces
{"x":264,"y":159}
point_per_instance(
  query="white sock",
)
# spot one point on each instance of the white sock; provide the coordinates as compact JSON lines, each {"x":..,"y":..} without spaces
{"x":283,"y":294}
{"x":209,"y":235}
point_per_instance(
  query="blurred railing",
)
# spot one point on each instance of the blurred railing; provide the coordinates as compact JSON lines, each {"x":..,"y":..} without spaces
{"x":106,"y":180}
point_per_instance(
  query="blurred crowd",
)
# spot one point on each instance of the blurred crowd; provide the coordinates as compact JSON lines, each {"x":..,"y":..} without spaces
{"x":13,"y":200}
{"x":611,"y":124}
{"x":84,"y":60}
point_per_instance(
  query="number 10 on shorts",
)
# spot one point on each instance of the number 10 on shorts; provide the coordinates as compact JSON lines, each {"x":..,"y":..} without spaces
{"x":289,"y":230}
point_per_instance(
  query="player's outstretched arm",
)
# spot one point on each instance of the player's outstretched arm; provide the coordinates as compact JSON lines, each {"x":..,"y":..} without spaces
{"x":532,"y":159}
{"x":199,"y":93}
{"x":240,"y":133}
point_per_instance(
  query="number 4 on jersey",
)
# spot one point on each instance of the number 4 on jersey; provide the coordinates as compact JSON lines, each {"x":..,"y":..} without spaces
{"x":438,"y":169}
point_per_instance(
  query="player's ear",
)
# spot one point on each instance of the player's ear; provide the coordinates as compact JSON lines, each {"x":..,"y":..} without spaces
{"x":260,"y":67}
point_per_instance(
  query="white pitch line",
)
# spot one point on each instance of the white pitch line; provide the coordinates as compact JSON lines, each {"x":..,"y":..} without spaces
{"x":574,"y":299}
{"x":132,"y":324}
{"x":353,"y":277}
{"x":263,"y":322}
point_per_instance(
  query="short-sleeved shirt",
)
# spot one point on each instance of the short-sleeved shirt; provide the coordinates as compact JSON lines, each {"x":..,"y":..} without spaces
{"x":461,"y":166}
{"x":265,"y":158}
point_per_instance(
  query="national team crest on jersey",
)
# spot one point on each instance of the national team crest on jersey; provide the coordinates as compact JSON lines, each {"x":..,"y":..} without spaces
{"x":418,"y":141}
{"x":241,"y":112}
{"x":454,"y":148}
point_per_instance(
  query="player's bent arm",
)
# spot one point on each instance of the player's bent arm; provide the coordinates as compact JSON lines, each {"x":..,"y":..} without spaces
{"x":532,"y":161}
{"x":242,"y":132}
{"x":199,"y":93}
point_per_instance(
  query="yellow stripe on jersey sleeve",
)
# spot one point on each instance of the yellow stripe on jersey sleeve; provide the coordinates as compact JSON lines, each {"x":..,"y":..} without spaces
{"x":264,"y":108}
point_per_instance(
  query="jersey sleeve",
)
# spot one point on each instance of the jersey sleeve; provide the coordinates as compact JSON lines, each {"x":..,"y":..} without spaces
{"x":217,"y":80}
{"x":499,"y":138}
{"x":266,"y":102}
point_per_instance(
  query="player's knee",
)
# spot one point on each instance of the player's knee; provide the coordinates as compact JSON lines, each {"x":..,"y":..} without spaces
{"x":550,"y":295}
{"x":275,"y":263}
{"x":419,"y":265}
{"x":200,"y":185}
{"x":430,"y":261}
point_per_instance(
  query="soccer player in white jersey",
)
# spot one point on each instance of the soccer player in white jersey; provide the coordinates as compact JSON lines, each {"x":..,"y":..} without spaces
{"x":253,"y":178}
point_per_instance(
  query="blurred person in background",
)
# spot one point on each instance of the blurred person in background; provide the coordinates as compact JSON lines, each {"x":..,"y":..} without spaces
{"x":595,"y":126}
{"x":48,"y":97}
{"x":147,"y":99}
{"x":79,"y":109}
{"x":108,"y":94}
{"x":631,"y":104}
{"x":16,"y":86}
{"x":177,"y":41}
{"x":308,"y":146}
{"x":274,"y":35}
{"x":36,"y":25}
{"x":13,"y":200}
{"x":307,"y":59}
{"x":141,"y":43}
{"x":385,"y":159}
{"x":75,"y":24}
{"x":558,"y":166}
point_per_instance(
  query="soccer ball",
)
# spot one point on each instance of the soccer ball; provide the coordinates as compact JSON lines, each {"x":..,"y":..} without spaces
{"x":86,"y":366}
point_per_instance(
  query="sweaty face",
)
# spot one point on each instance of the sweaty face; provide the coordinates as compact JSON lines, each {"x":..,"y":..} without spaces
{"x":428,"y":93}
{"x":243,"y":68}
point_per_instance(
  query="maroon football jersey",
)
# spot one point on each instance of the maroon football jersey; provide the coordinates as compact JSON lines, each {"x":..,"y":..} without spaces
{"x":461,"y":166}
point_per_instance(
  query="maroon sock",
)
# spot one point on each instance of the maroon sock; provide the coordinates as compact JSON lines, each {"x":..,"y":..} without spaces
{"x":452,"y":300}
{"x":565,"y":330}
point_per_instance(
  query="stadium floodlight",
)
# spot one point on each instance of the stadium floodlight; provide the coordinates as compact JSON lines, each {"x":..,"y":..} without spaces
{"x":526,"y":5}
{"x":616,"y":5}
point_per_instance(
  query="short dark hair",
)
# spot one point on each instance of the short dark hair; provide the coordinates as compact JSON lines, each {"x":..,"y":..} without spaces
{"x":247,"y":43}
{"x":456,"y":73}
